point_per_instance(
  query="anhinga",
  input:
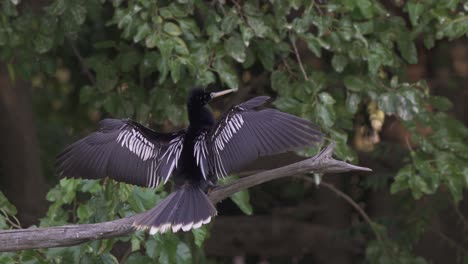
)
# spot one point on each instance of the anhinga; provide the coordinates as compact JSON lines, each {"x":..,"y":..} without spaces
{"x":127,"y":151}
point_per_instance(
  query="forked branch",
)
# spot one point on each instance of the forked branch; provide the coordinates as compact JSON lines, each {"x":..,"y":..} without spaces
{"x":61,"y":236}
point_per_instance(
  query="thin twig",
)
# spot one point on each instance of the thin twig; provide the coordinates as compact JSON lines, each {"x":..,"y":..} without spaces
{"x":7,"y":218}
{"x":299,"y":61}
{"x":84,"y":67}
{"x":349,"y":200}
{"x":461,"y":216}
{"x":317,"y":7}
{"x":449,"y":240}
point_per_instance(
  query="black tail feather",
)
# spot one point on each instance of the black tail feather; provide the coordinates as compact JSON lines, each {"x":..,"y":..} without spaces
{"x":186,"y":208}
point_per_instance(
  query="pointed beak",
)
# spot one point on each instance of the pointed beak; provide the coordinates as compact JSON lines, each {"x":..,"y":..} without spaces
{"x":218,"y":94}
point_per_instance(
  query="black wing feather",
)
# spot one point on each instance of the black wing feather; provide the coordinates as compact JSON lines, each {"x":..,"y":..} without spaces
{"x":244,"y":134}
{"x":123,"y":150}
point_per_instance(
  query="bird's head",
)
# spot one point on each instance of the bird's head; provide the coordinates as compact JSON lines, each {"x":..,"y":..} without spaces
{"x":200,"y":97}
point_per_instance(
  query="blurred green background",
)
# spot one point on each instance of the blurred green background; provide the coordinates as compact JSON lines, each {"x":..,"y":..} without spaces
{"x":385,"y":80}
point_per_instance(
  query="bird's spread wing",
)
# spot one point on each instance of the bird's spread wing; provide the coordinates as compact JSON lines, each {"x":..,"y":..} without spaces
{"x":125,"y":151}
{"x":244,"y":134}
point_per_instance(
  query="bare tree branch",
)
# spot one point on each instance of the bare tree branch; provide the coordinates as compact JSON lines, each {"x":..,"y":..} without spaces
{"x":60,"y":236}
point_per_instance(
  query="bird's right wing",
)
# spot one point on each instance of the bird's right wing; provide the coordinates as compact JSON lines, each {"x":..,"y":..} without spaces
{"x":123,"y":150}
{"x":244,"y":134}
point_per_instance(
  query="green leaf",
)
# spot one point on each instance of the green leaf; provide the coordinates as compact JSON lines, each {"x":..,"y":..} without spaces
{"x":357,"y":83}
{"x":200,"y":234}
{"x":108,"y":258}
{"x":229,"y":23}
{"x":326,"y":98}
{"x":314,"y":44}
{"x":6,"y":205}
{"x":129,"y":59}
{"x":183,"y":254}
{"x":78,"y":14}
{"x":258,"y":26}
{"x":264,"y":50}
{"x":57,"y":8}
{"x":87,"y":93}
{"x":415,"y":9}
{"x":151,"y":40}
{"x":247,"y":35}
{"x":407,"y":48}
{"x":326,"y":114}
{"x":137,"y":258}
{"x":366,"y":8}
{"x":151,"y":247}
{"x":279,"y":80}
{"x":339,"y":62}
{"x":143,"y":31}
{"x":42,"y":43}
{"x":242,"y":200}
{"x":352,"y":102}
{"x":175,"y":67}
{"x":84,"y":212}
{"x":235,"y":48}
{"x":172,"y":29}
{"x":180,"y":47}
{"x":226,"y":73}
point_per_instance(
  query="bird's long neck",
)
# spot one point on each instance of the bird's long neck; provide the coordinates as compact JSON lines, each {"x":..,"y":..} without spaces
{"x":200,"y":117}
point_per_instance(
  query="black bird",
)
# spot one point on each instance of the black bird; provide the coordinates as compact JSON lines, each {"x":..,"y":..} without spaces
{"x":127,"y":151}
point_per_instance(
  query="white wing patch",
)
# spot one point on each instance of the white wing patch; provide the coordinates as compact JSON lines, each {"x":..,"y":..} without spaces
{"x":172,"y":155}
{"x":158,"y":158}
{"x":231,"y":125}
{"x":201,"y":153}
{"x":134,"y":141}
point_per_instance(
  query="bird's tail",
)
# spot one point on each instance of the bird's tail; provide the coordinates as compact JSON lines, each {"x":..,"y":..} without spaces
{"x":186,"y":208}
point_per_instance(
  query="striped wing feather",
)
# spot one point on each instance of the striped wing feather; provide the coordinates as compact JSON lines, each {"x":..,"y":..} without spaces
{"x":125,"y":151}
{"x":244,"y":134}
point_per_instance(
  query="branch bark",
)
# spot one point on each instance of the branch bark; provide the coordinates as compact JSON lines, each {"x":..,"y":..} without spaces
{"x":60,"y":236}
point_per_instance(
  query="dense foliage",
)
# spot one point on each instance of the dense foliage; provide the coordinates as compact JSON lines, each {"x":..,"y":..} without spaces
{"x":87,"y":59}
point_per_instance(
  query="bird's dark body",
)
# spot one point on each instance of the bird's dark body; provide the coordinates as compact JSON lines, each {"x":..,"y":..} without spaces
{"x":195,"y":157}
{"x":187,"y":170}
{"x":200,"y":118}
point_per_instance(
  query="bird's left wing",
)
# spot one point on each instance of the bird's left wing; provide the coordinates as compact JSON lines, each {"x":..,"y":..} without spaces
{"x":244,"y":134}
{"x":123,"y":150}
